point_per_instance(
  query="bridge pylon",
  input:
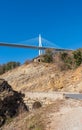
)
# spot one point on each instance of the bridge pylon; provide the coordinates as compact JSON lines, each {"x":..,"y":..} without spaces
{"x":40,"y":44}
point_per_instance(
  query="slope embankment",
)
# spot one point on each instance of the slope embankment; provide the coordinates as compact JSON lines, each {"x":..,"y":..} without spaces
{"x":44,"y":77}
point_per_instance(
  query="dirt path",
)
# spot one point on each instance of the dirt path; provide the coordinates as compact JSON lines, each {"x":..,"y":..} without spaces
{"x":68,"y":118}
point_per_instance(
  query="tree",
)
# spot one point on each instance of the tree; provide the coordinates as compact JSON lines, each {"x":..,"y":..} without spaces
{"x":8,"y":66}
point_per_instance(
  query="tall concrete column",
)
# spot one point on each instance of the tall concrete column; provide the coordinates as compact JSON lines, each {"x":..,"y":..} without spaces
{"x":40,"y":44}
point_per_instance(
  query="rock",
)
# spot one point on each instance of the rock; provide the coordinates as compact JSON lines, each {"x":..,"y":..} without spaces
{"x":36,"y":105}
{"x":11,"y":102}
{"x":4,"y":86}
{"x":2,"y":120}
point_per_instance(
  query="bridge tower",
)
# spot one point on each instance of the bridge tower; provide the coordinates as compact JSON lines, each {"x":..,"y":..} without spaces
{"x":40,"y":44}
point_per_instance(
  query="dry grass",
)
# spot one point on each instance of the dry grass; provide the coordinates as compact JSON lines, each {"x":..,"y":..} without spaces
{"x":35,"y":120}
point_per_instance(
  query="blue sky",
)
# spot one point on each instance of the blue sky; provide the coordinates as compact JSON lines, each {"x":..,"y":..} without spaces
{"x":59,"y":21}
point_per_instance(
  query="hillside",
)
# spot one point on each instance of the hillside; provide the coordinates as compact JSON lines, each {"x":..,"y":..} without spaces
{"x":37,"y":81}
{"x":44,"y":77}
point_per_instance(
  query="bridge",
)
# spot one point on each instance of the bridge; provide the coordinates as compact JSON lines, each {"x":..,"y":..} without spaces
{"x":43,"y":44}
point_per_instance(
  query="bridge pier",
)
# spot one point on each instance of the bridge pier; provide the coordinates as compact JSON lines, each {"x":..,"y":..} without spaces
{"x":40,"y":44}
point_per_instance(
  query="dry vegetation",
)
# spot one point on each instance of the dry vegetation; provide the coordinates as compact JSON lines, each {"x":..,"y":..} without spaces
{"x":44,"y":77}
{"x":35,"y":120}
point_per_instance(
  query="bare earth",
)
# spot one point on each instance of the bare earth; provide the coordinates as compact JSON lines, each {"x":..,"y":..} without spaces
{"x":66,"y":119}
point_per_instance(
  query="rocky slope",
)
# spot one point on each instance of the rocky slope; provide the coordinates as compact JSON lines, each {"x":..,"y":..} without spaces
{"x":11,"y":102}
{"x":44,"y":77}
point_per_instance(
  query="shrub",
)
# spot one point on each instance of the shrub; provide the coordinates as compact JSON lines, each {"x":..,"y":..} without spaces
{"x":48,"y":56}
{"x":64,"y":56}
{"x":67,"y":61}
{"x":77,"y":57}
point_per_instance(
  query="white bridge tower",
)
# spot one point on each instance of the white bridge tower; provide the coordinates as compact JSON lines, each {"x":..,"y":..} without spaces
{"x":40,"y":44}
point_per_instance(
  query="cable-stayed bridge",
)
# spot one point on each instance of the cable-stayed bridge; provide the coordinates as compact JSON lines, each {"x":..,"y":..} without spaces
{"x":35,"y":43}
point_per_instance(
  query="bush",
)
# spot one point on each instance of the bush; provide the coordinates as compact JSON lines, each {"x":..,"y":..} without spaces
{"x":77,"y":57}
{"x":64,"y":56}
{"x":72,"y":61}
{"x":48,"y":56}
{"x":67,"y":60}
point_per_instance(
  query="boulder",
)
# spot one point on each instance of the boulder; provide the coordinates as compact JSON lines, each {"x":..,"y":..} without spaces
{"x":11,"y":102}
{"x":36,"y":105}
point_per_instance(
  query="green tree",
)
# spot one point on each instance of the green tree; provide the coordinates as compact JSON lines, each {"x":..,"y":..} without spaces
{"x":8,"y":66}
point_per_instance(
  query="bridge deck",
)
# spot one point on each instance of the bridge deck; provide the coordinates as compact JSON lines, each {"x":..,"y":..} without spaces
{"x":28,"y":46}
